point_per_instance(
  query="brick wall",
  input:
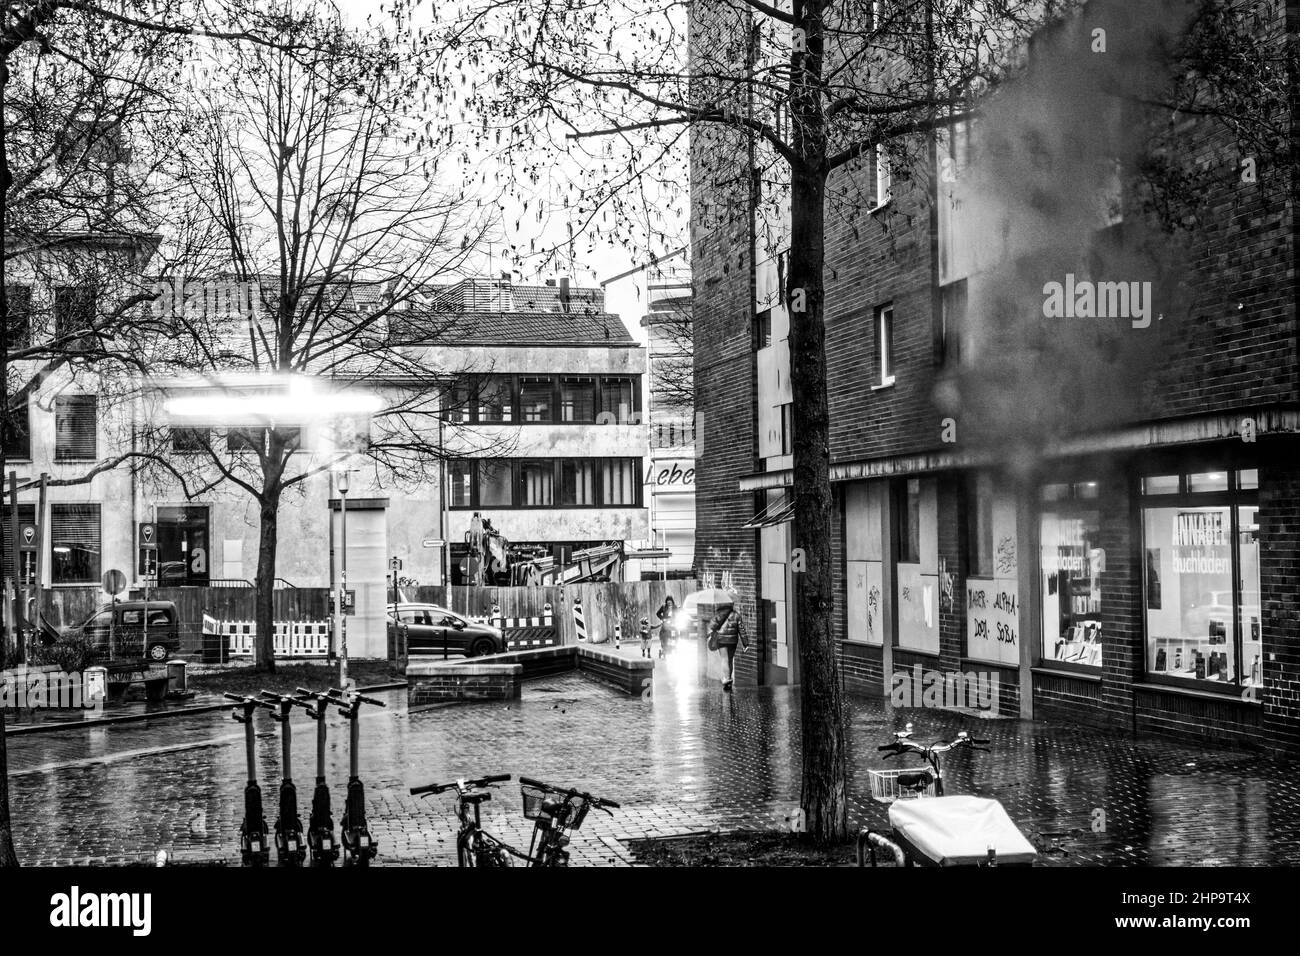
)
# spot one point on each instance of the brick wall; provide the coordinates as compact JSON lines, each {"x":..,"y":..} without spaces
{"x":1279,"y":536}
{"x":722,"y":286}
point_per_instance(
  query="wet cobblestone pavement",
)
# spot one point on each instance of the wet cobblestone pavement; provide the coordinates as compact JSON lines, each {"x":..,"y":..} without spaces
{"x":692,"y":758}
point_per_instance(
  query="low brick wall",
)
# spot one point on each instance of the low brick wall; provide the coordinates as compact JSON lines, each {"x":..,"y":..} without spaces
{"x":630,"y":675}
{"x":430,"y":683}
{"x":499,"y":677}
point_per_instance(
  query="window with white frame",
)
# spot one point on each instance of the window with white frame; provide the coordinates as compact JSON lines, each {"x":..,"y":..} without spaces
{"x":885,"y":343}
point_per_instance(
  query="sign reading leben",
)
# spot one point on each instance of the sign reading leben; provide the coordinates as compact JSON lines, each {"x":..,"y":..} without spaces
{"x":671,"y":475}
{"x":992,"y":620}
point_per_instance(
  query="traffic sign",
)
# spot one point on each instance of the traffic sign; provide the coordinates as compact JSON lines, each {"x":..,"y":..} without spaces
{"x":27,"y":538}
{"x":148,"y":535}
{"x":114,"y":581}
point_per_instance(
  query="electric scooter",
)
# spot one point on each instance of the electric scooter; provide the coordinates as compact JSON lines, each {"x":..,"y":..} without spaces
{"x":253,"y":848}
{"x":320,"y":827}
{"x":358,"y":846}
{"x":289,"y":845}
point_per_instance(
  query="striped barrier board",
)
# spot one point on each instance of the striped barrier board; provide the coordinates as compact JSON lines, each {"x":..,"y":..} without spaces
{"x":305,"y":639}
{"x":522,"y":632}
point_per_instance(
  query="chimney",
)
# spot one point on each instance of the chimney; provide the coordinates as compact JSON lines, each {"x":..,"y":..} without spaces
{"x":564,"y":294}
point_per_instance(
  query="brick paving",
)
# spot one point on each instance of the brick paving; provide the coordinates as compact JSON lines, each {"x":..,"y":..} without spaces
{"x":691,"y":758}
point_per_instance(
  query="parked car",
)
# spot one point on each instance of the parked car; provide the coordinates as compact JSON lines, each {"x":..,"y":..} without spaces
{"x":118,"y":631}
{"x":429,"y":628}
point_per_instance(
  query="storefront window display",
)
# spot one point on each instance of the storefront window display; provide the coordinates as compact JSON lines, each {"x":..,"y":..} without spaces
{"x":1071,"y":562}
{"x":1201,"y":578}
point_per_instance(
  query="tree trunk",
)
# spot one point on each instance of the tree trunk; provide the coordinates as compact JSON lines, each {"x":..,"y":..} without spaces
{"x":269,"y":507}
{"x":7,"y":855}
{"x":824,"y":765}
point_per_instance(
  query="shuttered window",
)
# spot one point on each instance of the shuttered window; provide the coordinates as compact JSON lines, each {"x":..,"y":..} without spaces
{"x":75,"y":418}
{"x":74,"y":543}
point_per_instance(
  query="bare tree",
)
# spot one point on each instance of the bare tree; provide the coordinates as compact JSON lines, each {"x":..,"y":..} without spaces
{"x":330,"y":225}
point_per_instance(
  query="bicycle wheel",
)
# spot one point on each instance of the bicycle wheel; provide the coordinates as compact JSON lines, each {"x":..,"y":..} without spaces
{"x":490,"y":853}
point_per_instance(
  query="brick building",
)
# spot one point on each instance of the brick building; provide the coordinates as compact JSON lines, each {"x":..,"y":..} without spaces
{"x":1062,"y":433}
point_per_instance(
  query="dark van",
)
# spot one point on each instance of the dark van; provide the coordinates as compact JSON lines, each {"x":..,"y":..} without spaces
{"x":133,"y":630}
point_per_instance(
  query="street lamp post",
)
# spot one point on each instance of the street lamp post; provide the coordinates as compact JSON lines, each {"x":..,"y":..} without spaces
{"x":443,"y":530}
{"x":341,"y":482}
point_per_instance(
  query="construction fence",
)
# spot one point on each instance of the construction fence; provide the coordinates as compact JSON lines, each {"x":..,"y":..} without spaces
{"x":216,"y":624}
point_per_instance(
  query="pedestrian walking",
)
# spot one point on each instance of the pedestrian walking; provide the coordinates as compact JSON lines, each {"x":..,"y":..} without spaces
{"x":726,"y":631}
{"x":667,"y":615}
{"x":645,"y":637}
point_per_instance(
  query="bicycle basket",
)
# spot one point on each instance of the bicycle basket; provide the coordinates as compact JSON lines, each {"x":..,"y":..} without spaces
{"x":533,"y":802}
{"x":886,"y":786}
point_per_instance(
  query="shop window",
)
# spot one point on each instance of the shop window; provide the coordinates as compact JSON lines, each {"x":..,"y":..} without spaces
{"x":1201,"y":582}
{"x":980,"y":527}
{"x":535,"y":399}
{"x":183,"y":554}
{"x":495,"y":483}
{"x":1070,"y":567}
{"x":909,"y":522}
{"x":75,"y":426}
{"x":577,"y":399}
{"x":74,"y":543}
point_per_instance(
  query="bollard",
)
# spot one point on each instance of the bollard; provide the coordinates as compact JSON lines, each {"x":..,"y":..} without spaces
{"x":176,"y":677}
{"x":578,"y":622}
{"x":96,"y":683}
{"x":618,"y":634}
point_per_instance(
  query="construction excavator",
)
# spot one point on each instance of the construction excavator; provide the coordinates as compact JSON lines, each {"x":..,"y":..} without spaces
{"x":493,"y":561}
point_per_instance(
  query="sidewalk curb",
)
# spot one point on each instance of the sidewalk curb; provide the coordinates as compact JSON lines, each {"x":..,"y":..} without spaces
{"x":160,"y":715}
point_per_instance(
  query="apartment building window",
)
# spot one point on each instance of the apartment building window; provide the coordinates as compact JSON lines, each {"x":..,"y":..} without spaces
{"x":952,"y":319}
{"x":458,"y":404}
{"x":74,"y":543}
{"x":190,"y":440}
{"x":619,"y":481}
{"x":17,"y":433}
{"x":885,"y":343}
{"x":763,"y":329}
{"x":74,"y":309}
{"x":255,"y":439}
{"x":545,"y":483}
{"x":496,"y":403}
{"x":787,"y":428}
{"x":535,"y":395}
{"x":495,"y":483}
{"x":618,"y":397}
{"x":18,"y":315}
{"x":884,"y":182}
{"x":460,"y":484}
{"x":577,"y":481}
{"x":536,"y":484}
{"x":75,"y":426}
{"x":577,"y":399}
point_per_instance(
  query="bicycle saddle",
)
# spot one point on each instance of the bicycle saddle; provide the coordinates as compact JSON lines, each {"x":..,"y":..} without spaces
{"x":478,"y":796}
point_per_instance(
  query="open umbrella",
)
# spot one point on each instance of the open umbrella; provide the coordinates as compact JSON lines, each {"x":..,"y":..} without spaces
{"x":718,"y":597}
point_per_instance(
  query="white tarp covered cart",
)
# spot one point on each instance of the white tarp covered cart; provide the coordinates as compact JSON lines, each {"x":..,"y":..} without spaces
{"x":949,"y":831}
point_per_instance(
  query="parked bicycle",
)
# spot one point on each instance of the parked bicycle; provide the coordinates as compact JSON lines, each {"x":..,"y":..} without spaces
{"x":555,"y":812}
{"x":930,"y":828}
{"x":474,"y":845}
